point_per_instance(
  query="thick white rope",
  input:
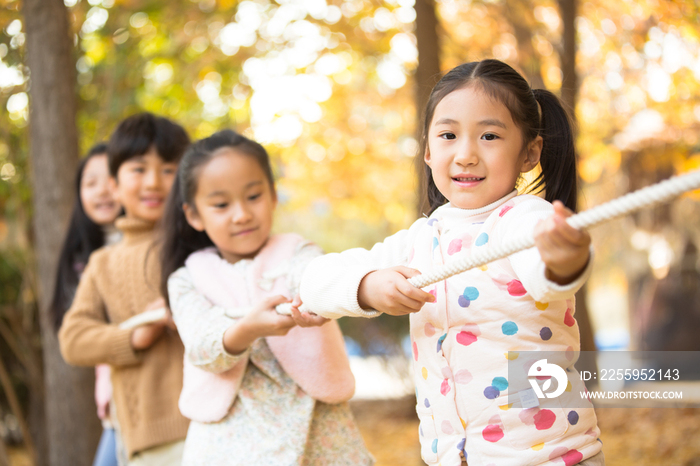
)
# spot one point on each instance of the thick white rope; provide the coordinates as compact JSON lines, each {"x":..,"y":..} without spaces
{"x":645,"y":197}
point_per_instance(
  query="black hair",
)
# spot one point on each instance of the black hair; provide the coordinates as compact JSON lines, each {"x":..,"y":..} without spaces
{"x":537,"y":112}
{"x":178,"y":237}
{"x":138,"y":133}
{"x":83,"y":237}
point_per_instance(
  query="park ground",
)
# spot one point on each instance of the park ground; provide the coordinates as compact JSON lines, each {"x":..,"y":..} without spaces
{"x":631,"y":436}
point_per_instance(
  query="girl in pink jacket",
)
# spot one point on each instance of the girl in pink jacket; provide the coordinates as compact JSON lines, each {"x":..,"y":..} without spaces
{"x":484,"y":127}
{"x":257,"y":388}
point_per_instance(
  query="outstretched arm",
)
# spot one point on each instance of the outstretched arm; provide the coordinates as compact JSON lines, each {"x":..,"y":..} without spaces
{"x":331,"y":284}
{"x":86,"y":338}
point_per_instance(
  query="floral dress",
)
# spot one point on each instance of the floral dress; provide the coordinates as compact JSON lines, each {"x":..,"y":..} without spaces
{"x":272,"y":421}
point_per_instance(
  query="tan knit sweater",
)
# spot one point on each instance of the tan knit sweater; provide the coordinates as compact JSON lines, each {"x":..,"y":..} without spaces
{"x":120,"y":281}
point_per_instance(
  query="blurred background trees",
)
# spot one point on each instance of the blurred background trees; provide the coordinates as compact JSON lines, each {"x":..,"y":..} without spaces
{"x":334,"y":90}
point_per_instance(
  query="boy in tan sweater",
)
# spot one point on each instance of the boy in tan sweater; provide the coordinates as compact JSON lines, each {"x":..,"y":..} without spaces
{"x":121,"y":281}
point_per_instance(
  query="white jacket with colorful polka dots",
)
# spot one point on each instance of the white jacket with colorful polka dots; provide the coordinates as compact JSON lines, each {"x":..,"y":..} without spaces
{"x":462,"y":344}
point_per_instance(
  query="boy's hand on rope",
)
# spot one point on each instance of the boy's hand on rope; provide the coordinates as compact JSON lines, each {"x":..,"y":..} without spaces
{"x":262,"y":321}
{"x":564,"y":249}
{"x":145,"y":336}
{"x":389,"y":291}
{"x":305,"y":319}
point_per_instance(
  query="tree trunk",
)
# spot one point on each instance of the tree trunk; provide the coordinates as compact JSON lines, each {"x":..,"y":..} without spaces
{"x":569,"y":92}
{"x":426,"y":76}
{"x":519,"y":14}
{"x":72,"y":427}
{"x":567,"y":55}
{"x":4,"y":459}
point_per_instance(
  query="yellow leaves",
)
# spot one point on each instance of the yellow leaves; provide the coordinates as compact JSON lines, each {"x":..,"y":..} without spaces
{"x":595,"y":157}
{"x":395,"y":212}
{"x":690,"y":31}
{"x":692,"y":163}
{"x":94,"y":47}
{"x":689,"y":164}
{"x":153,"y":45}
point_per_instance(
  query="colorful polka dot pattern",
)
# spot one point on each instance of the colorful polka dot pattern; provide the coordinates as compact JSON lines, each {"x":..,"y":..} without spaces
{"x":469,"y":334}
{"x":493,"y":432}
{"x":468,"y":295}
{"x":482,"y":239}
{"x":539,"y":323}
{"x":509,"y":328}
{"x":570,"y":457}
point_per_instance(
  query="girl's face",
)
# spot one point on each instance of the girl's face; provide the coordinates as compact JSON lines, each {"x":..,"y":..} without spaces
{"x":143,"y":184}
{"x":475,"y":150}
{"x":97,"y":192}
{"x":234,"y":204}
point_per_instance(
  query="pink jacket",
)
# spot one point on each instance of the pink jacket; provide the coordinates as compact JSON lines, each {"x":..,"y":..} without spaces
{"x":314,"y":357}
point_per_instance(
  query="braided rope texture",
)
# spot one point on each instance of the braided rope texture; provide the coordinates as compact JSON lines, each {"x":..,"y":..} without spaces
{"x":645,"y":197}
{"x":642,"y":198}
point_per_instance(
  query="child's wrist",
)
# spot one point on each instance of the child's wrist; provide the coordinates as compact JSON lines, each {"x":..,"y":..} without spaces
{"x":564,"y":277}
{"x":238,"y":337}
{"x":363,"y":296}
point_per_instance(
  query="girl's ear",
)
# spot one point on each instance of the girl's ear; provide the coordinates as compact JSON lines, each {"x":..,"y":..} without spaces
{"x":192,"y":217}
{"x":426,"y":156}
{"x":532,"y":154}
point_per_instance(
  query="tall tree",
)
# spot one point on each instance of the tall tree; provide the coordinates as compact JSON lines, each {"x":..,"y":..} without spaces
{"x":72,"y":426}
{"x":426,"y":76}
{"x":569,"y":91}
{"x":520,"y":16}
{"x":567,"y":54}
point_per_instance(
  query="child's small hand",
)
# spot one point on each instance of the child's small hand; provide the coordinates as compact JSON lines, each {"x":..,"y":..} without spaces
{"x":564,"y":249}
{"x":388,"y":291}
{"x":262,"y":321}
{"x":305,"y":319}
{"x":160,"y":304}
{"x":145,"y":336}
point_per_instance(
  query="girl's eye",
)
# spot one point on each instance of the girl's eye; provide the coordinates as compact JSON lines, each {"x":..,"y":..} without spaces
{"x":254,"y":197}
{"x":169,"y":171}
{"x":489,"y":136}
{"x":138,"y":170}
{"x":448,"y":136}
{"x":221,"y":205}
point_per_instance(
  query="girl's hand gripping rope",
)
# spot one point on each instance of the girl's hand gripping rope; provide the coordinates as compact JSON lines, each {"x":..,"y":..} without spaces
{"x":303,"y":318}
{"x":261,"y":321}
{"x":564,"y":249}
{"x":389,"y":291}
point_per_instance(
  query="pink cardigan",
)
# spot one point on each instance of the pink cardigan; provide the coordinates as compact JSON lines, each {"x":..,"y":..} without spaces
{"x":314,"y":357}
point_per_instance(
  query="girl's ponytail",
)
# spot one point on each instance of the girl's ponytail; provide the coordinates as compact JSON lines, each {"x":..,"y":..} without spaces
{"x":179,"y":239}
{"x":558,"y":158}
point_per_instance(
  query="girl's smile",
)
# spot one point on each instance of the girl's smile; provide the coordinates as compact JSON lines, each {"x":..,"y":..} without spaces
{"x":475,"y":150}
{"x":143,"y":182}
{"x":467,"y":180}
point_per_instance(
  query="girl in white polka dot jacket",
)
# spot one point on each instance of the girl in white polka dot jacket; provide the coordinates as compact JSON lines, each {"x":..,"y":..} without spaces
{"x":484,"y":127}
